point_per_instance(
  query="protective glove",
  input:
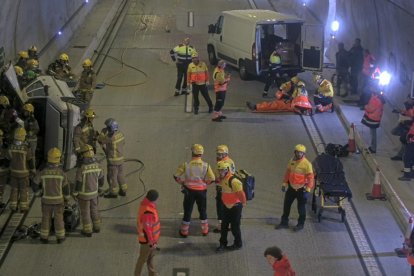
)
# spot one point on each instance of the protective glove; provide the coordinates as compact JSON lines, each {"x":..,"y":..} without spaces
{"x":305,"y":195}
{"x":283,"y":189}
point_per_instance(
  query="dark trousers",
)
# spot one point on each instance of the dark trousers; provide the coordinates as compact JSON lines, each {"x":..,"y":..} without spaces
{"x":271,"y":77}
{"x":219,"y":205}
{"x":290,"y":196}
{"x":408,"y":157}
{"x":220,"y":97}
{"x":231,"y":217}
{"x":322,"y":100}
{"x":204,"y":92}
{"x":181,"y":74}
{"x":342,"y":78}
{"x":366,"y":92}
{"x":353,"y":81}
{"x":200,"y":198}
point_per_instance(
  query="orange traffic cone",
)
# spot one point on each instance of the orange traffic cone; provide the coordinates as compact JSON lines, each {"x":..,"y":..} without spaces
{"x":376,"y":189}
{"x":405,"y":249}
{"x":351,"y":139}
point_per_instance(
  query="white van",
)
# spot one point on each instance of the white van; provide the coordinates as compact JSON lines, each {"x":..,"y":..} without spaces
{"x":246,"y":38}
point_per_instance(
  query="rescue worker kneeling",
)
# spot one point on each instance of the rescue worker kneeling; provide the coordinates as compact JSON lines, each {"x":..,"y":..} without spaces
{"x":56,"y":192}
{"x":234,"y":200}
{"x":194,"y":176}
{"x":89,"y":177}
{"x":324,"y":95}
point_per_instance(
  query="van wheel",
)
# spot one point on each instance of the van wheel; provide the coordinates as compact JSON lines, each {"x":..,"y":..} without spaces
{"x":211,"y":55}
{"x":243,"y":71}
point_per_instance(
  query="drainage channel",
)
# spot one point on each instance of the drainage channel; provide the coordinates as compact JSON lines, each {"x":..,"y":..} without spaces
{"x":356,"y":230}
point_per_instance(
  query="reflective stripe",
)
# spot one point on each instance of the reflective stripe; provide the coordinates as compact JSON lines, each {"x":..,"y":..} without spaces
{"x":44,"y":178}
{"x":194,"y":176}
{"x":118,"y":138}
{"x":91,"y":169}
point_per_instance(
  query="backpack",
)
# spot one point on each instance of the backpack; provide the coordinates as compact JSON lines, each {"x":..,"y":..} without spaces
{"x":247,"y":180}
{"x":337,"y":150}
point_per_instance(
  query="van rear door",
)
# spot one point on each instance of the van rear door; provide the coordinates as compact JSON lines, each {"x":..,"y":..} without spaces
{"x":312,"y":47}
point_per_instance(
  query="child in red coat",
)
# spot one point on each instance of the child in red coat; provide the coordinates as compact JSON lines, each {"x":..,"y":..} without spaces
{"x":279,"y":262}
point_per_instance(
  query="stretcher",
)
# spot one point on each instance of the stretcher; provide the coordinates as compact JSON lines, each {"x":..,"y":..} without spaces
{"x":331,"y":185}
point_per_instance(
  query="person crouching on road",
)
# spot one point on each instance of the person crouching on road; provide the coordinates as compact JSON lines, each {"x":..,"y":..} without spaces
{"x":234,"y":200}
{"x":56,"y":193}
{"x":149,"y":229}
{"x":278,"y":261}
{"x":222,"y":154}
{"x":324,"y":95}
{"x":194,"y":176}
{"x":221,"y":80}
{"x":297,"y":183}
{"x":89,"y":177}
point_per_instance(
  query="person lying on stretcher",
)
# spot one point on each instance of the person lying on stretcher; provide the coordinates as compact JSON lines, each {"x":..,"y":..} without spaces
{"x":297,"y":101}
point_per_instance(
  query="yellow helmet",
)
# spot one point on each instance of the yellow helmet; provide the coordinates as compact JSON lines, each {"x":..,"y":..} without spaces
{"x":301,"y":84}
{"x":23,"y":54}
{"x":89,"y":113}
{"x":294,"y":79}
{"x":87,"y":151}
{"x":222,"y":149}
{"x":18,"y":70}
{"x":64,"y":57}
{"x":223,"y":165}
{"x":4,"y":100}
{"x":28,"y":107}
{"x":197,"y":149}
{"x":87,"y":63}
{"x":33,"y":63}
{"x":194,"y":55}
{"x":20,"y":134}
{"x":53,"y":155}
{"x":300,"y":147}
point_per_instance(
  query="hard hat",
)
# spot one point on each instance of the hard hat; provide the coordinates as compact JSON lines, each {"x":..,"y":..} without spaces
{"x":89,"y":113}
{"x":4,"y":100}
{"x":23,"y":54}
{"x":64,"y":57}
{"x":53,"y":155}
{"x":194,"y":55}
{"x":300,"y":147}
{"x":223,"y":165}
{"x":30,"y":74}
{"x":87,"y":151}
{"x":33,"y":48}
{"x":317,"y":77}
{"x":197,"y":149}
{"x":20,"y":134}
{"x":221,"y":63}
{"x":87,"y":63}
{"x":186,"y":40}
{"x":222,"y":149}
{"x":112,"y":124}
{"x":28,"y":107}
{"x":18,"y":70}
{"x":33,"y":63}
{"x":300,"y":84}
{"x":294,"y":79}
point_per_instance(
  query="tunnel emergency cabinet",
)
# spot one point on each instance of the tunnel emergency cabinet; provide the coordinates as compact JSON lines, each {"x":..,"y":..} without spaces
{"x":246,"y":38}
{"x":57,"y":119}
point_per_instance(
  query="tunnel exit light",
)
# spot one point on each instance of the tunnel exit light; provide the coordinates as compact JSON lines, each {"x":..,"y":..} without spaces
{"x":335,"y":26}
{"x":59,"y":33}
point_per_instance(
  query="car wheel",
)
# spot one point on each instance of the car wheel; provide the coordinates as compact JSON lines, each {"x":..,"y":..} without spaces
{"x":243,"y":71}
{"x":211,"y":55}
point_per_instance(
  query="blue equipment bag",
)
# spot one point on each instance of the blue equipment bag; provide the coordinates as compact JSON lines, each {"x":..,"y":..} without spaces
{"x":248,"y":182}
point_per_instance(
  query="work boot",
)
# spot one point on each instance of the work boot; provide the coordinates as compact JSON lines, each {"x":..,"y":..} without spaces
{"x":181,"y":234}
{"x":218,"y":119}
{"x":298,"y":227}
{"x":234,"y":247}
{"x":406,"y":177}
{"x":60,"y":240}
{"x":264,"y":95}
{"x":122,"y":192}
{"x":396,"y":158}
{"x":184,"y":91}
{"x":282,"y":226}
{"x":44,"y":241}
{"x":195,"y":111}
{"x":89,"y":235}
{"x":110,"y":195}
{"x":371,"y":150}
{"x":177,"y":93}
{"x":223,"y":117}
{"x":221,"y":248}
{"x":251,"y":106}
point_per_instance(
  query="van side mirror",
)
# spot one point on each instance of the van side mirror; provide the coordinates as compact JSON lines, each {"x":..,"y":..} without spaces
{"x":211,"y":29}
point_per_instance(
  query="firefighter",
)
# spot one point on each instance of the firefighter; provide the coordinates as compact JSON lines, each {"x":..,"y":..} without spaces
{"x":148,"y":226}
{"x":324,"y":95}
{"x":60,"y":69}
{"x":113,"y":141}
{"x":21,"y":168}
{"x":5,"y":113}
{"x":222,"y":154}
{"x":275,"y":63}
{"x":87,"y":81}
{"x":181,"y":55}
{"x":4,"y":168}
{"x":33,"y":65}
{"x":56,"y":192}
{"x":85,"y":133}
{"x":234,"y":199}
{"x":408,"y":156}
{"x":22,"y":61}
{"x":297,"y":183}
{"x":198,"y":78}
{"x":221,"y":80}
{"x":14,"y":123}
{"x":20,"y":75}
{"x":32,"y":128}
{"x":194,"y":176}
{"x":32,"y":53}
{"x":89,"y":177}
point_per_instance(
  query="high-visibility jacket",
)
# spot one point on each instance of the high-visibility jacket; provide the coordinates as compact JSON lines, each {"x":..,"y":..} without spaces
{"x":55,"y":184}
{"x":148,"y":223}
{"x":32,"y":128}
{"x":114,"y":147}
{"x":373,"y":111}
{"x":87,"y":81}
{"x":182,"y":53}
{"x":195,"y":175}
{"x":274,"y":61}
{"x":197,"y":73}
{"x":88,"y":177}
{"x":84,"y":133}
{"x":20,"y":157}
{"x":368,"y":65}
{"x":220,"y":79}
{"x":326,"y":89}
{"x":232,"y":193}
{"x":287,"y":88}
{"x":299,"y":174}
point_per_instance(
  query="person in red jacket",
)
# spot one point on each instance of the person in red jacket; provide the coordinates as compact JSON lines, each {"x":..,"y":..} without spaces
{"x":279,"y":262}
{"x":148,"y":225}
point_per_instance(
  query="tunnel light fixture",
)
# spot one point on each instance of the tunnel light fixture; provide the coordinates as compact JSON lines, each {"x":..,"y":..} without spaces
{"x":59,"y":33}
{"x":86,"y":1}
{"x":384,"y":78}
{"x":335,"y":26}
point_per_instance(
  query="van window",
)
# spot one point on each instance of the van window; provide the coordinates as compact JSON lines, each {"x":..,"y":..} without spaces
{"x":35,"y":89}
{"x":219,"y":25}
